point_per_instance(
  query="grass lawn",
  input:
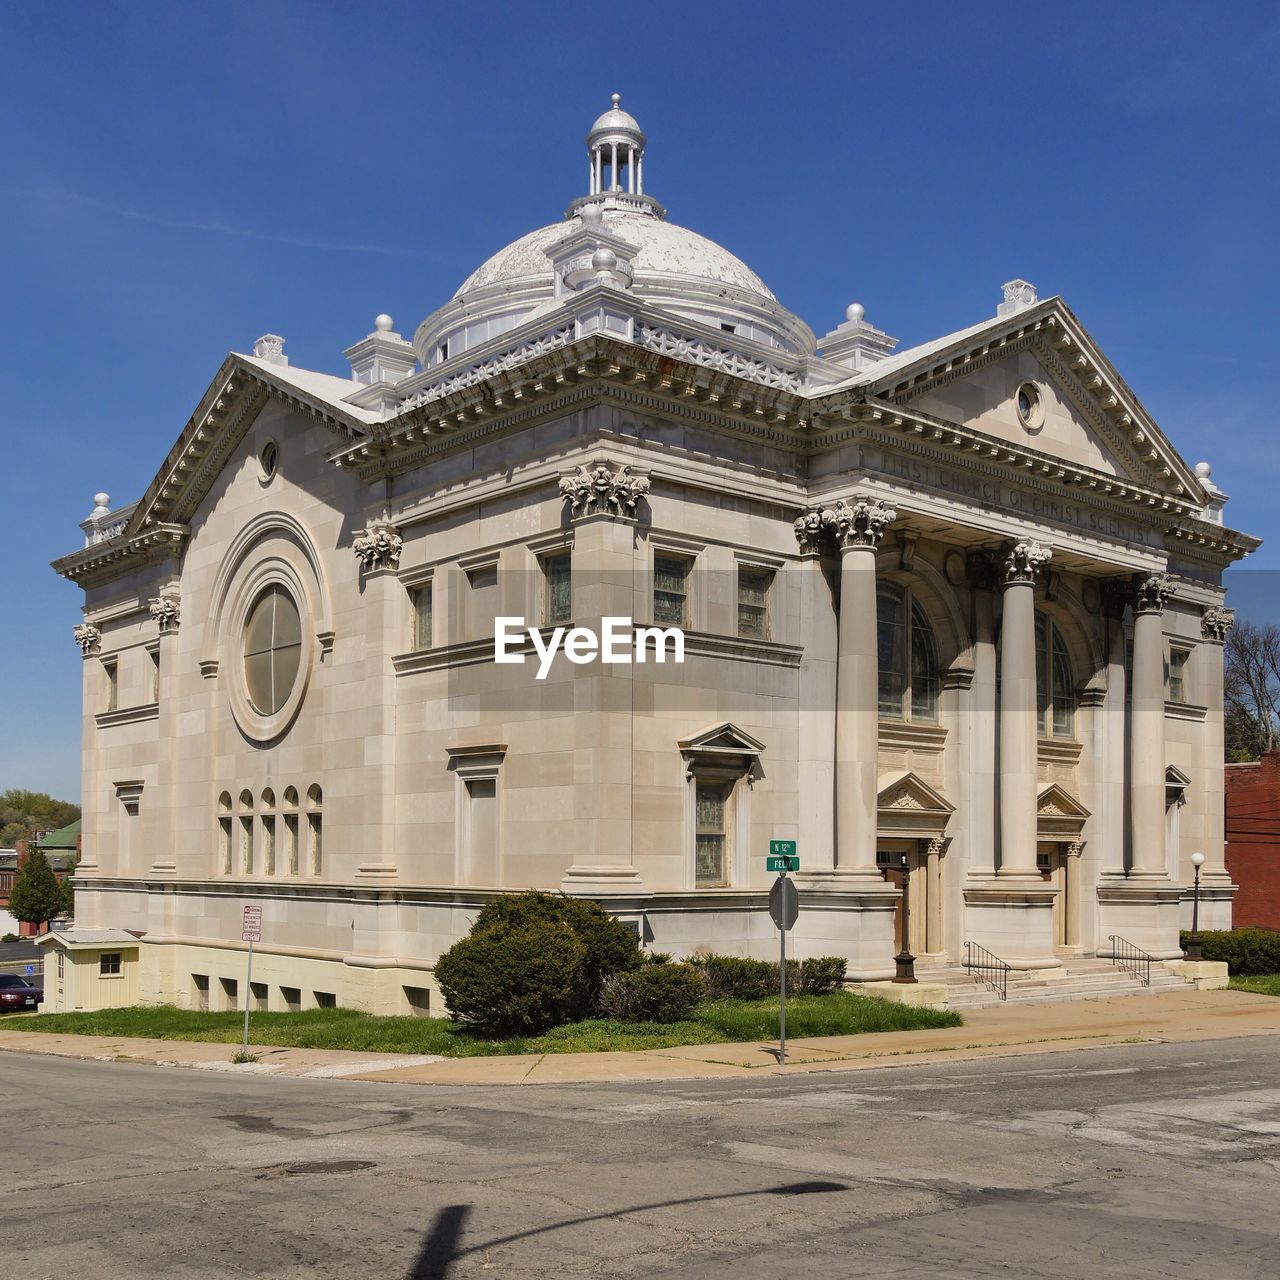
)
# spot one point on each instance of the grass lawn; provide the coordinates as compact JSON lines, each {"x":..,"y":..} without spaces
{"x":716,"y":1022}
{"x":1265,"y":984}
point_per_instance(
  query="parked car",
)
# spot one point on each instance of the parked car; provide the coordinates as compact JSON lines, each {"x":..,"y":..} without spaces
{"x":17,"y":994}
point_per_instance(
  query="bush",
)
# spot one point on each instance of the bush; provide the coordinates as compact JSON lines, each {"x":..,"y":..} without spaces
{"x":820,"y":975}
{"x":736,"y":978}
{"x":652,"y":993}
{"x":514,"y":982}
{"x":610,"y":946}
{"x":1246,"y":951}
{"x":656,"y":957}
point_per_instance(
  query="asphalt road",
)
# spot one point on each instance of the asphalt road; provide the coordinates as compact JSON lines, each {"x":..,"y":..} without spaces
{"x":1141,"y":1161}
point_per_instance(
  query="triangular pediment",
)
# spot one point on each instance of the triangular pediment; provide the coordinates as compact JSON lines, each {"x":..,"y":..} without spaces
{"x":1055,"y":801}
{"x":722,"y":739}
{"x":235,"y":397}
{"x":908,"y":792}
{"x":1085,"y":415}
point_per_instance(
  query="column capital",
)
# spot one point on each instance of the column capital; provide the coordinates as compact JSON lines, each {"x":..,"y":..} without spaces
{"x":378,"y":546}
{"x":1216,"y":622}
{"x":1151,"y":593}
{"x":860,"y":523}
{"x":600,"y":491}
{"x":1023,"y":562}
{"x":87,"y":636}
{"x":167,"y":612}
{"x":809,"y":532}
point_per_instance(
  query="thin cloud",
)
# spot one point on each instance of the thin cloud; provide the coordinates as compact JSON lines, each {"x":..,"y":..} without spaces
{"x":210,"y":228}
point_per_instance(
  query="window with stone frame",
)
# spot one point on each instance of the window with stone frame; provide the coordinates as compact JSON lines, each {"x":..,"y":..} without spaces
{"x":711,"y":832}
{"x":754,"y":583}
{"x":1055,"y":685}
{"x":1176,"y":685}
{"x":155,"y":674}
{"x":111,"y":678}
{"x":907,"y":656}
{"x":557,"y":588}
{"x":422,"y":619}
{"x":671,"y":588}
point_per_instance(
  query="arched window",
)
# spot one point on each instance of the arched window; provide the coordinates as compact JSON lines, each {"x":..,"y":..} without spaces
{"x":1055,"y":688}
{"x":268,"y":832}
{"x":908,"y":656}
{"x":315,"y":801}
{"x":246,"y":832}
{"x":291,"y":829}
{"x":224,"y":832}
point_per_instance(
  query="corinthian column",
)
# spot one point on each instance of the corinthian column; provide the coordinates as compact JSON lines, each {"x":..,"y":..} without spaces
{"x":858,"y":528}
{"x":1146,"y":736}
{"x":1019,"y":717}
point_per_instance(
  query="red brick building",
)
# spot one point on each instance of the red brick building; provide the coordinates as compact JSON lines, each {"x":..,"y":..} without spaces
{"x":1253,"y":840}
{"x":61,"y":848}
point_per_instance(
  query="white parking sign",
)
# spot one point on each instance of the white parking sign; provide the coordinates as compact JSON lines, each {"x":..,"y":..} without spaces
{"x":252,"y":928}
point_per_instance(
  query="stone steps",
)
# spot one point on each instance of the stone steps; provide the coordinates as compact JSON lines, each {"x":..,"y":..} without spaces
{"x":1077,"y":980}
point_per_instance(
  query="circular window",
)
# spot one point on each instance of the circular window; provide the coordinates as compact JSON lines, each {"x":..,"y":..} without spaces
{"x":272,"y":650}
{"x":1030,"y":410}
{"x":269,"y":459}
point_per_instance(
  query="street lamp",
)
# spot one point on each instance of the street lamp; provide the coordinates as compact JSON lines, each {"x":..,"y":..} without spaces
{"x":1192,"y":949}
{"x":904,"y":960}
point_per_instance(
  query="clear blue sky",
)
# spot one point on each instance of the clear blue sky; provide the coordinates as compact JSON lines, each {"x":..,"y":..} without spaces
{"x":180,"y":178}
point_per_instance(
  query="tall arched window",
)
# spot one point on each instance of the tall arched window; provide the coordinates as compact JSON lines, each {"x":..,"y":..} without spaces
{"x":908,"y":656}
{"x":1055,"y":688}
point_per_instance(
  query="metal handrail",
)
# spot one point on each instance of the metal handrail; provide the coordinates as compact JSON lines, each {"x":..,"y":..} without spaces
{"x":986,"y":967}
{"x":1133,"y":960}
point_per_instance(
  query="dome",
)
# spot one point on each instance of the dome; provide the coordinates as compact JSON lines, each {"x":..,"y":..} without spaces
{"x":616,"y":121}
{"x":663,"y":249}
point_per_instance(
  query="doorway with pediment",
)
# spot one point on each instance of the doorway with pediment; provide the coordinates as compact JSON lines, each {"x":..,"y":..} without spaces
{"x":1060,"y":821}
{"x":912,"y":819}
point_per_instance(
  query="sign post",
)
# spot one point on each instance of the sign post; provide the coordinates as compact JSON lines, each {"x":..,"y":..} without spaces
{"x":250,"y":932}
{"x":784,"y":909}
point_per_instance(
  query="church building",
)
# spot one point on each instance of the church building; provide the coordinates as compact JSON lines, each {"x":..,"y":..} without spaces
{"x":956,"y":608}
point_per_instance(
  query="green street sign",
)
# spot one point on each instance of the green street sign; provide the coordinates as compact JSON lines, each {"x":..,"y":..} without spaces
{"x":782,"y":848}
{"x":782,"y":863}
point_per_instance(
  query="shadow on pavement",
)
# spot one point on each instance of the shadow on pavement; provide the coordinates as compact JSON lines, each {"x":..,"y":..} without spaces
{"x":440,"y":1248}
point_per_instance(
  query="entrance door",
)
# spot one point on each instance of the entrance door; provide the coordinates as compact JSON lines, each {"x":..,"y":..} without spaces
{"x":925,"y":898}
{"x":1058,"y":867}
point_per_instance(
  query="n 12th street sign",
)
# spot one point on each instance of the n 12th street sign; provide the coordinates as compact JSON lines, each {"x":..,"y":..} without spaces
{"x":251,"y":930}
{"x":782,"y":856}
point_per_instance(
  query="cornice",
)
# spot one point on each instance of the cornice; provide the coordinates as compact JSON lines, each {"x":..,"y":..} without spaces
{"x":128,"y":715}
{"x":105,"y":561}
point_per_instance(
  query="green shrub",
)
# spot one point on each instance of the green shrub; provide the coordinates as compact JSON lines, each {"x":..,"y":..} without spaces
{"x":1246,"y":951}
{"x":610,"y":946}
{"x":820,"y":975}
{"x":514,"y":982}
{"x":657,"y":957}
{"x":652,"y":993}
{"x":735,"y":977}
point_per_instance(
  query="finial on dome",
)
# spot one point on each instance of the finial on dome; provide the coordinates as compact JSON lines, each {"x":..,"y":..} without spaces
{"x":617,"y":98}
{"x":855,"y":313}
{"x":383,"y":323}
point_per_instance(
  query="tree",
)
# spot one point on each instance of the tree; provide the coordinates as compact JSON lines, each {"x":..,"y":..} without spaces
{"x":1251,"y":690}
{"x":23,"y":813}
{"x":36,"y":896}
{"x":67,"y":889}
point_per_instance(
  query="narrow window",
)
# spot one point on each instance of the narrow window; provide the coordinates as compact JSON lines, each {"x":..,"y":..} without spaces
{"x":1178,"y":675}
{"x":753,"y":601}
{"x":224,"y":833}
{"x":482,"y":831}
{"x":246,"y":833}
{"x":314,"y":833}
{"x":109,"y":963}
{"x":444,"y":351}
{"x":269,"y":844}
{"x":291,"y":842}
{"x":671,"y":590}
{"x":1054,"y":684}
{"x":61,"y":968}
{"x":711,"y":835}
{"x":557,"y":603}
{"x":155,"y":675}
{"x":728,"y":328}
{"x":482,"y":600}
{"x":422,"y":616}
{"x":111,"y":674}
{"x":907,"y":657}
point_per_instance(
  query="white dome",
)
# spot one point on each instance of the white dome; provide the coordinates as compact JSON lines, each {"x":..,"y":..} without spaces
{"x":664,"y":249}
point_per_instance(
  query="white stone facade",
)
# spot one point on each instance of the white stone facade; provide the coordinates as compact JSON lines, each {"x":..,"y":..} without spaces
{"x":960,"y":602}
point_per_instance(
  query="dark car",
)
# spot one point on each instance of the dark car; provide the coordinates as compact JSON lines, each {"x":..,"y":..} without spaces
{"x":17,"y":994}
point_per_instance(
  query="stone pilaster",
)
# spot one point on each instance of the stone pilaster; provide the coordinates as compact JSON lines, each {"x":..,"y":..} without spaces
{"x":1019,"y":719}
{"x":979,"y":769}
{"x":1215,"y":882}
{"x":1146,"y":742}
{"x":858,"y":529}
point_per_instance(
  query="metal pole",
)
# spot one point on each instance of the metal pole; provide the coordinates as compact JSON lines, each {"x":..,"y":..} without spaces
{"x":1194,"y":949}
{"x":782,"y":989}
{"x":248,"y":990}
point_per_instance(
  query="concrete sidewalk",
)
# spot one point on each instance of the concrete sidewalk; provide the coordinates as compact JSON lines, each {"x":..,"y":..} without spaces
{"x":1002,"y":1032}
